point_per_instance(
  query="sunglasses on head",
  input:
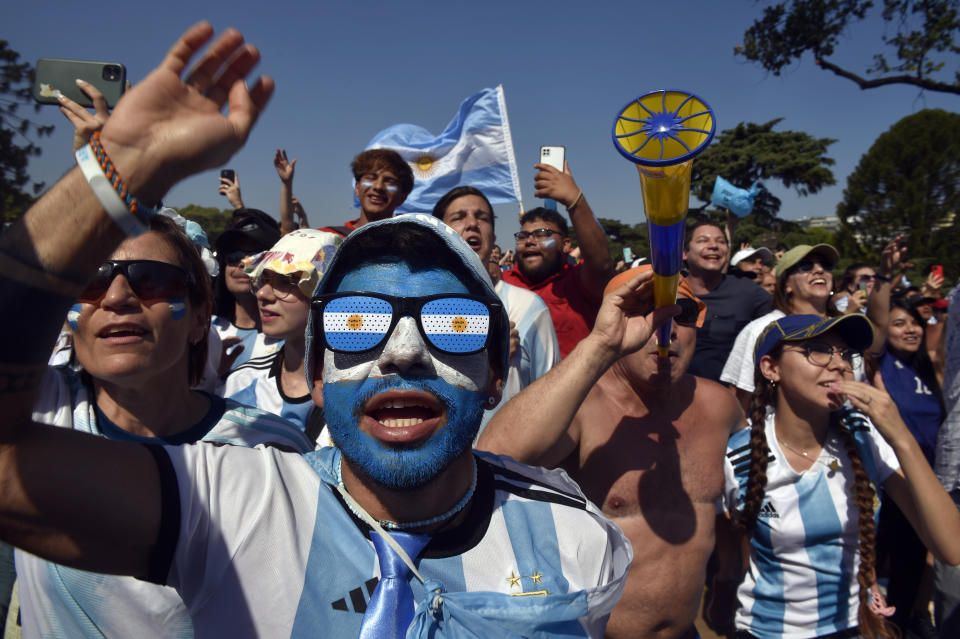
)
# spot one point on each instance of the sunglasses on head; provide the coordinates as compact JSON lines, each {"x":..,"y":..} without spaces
{"x":689,"y":312}
{"x":357,"y":322}
{"x":150,"y":280}
{"x":807,"y":265}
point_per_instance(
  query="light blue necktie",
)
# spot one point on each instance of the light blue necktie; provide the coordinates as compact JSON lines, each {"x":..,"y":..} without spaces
{"x":391,"y":606}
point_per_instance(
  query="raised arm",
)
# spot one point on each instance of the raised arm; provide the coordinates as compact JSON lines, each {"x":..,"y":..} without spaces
{"x":551,"y":183}
{"x":285,"y":170}
{"x":534,"y":426}
{"x":878,"y":304}
{"x":913,"y":487}
{"x":165,"y":129}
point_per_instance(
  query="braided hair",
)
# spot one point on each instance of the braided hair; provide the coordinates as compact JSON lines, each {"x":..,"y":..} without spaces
{"x":872,"y":626}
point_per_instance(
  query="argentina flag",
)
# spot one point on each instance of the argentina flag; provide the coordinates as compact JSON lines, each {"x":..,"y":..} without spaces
{"x":475,"y":149}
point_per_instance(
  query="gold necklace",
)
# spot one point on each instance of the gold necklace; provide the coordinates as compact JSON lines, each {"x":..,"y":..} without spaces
{"x":833,"y":465}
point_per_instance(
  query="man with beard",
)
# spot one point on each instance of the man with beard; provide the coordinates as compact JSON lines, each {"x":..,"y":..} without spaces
{"x":645,"y":440}
{"x":411,"y":343}
{"x":571,"y":291}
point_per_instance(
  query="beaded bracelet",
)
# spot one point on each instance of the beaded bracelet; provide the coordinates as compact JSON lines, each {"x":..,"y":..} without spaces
{"x":122,"y":207}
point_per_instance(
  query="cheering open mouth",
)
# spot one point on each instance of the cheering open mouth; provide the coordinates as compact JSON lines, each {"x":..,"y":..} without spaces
{"x":402,"y":417}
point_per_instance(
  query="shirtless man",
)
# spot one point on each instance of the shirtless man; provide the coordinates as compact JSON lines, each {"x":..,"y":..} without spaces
{"x":645,"y":440}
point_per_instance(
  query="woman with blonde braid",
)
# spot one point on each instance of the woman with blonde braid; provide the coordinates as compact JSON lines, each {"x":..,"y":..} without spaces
{"x":801,"y":488}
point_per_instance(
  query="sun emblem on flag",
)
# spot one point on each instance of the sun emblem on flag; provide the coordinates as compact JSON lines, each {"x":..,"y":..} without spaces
{"x":354,"y":322}
{"x":423,"y":166}
{"x":459,"y":324}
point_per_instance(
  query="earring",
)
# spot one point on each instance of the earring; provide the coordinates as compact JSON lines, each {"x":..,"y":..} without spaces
{"x":492,"y":400}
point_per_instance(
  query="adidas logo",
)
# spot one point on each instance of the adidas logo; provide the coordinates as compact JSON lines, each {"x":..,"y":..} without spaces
{"x":767,"y":511}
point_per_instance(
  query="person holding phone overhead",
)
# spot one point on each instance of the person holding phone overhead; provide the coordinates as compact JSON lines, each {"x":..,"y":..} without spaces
{"x":572,"y":293}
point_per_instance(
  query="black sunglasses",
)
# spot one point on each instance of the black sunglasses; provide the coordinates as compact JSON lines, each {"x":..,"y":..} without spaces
{"x":689,"y":312}
{"x":149,"y":279}
{"x":357,"y":322}
{"x":807,"y":265}
{"x":234,"y":258}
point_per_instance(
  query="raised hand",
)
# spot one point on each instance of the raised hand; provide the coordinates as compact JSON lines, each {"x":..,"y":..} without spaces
{"x":85,"y":123}
{"x":167,"y":127}
{"x":284,"y":167}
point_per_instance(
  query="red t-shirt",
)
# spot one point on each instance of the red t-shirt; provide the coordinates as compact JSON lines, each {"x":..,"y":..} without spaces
{"x":572,"y":309}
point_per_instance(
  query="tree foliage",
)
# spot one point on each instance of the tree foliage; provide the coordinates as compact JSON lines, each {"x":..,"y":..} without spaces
{"x":750,"y":153}
{"x":211,"y":219}
{"x":908,"y":182}
{"x":920,"y":33}
{"x":16,"y":144}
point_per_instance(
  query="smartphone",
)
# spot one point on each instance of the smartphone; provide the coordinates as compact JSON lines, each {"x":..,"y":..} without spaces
{"x":937,"y":269}
{"x":229,"y":174}
{"x":554,"y":156}
{"x":627,"y":255}
{"x":54,"y":74}
{"x":862,"y":286}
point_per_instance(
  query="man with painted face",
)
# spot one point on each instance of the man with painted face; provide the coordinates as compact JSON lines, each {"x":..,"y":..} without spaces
{"x":383,"y":180}
{"x":646,"y":441}
{"x":571,"y":292}
{"x":410,"y":341}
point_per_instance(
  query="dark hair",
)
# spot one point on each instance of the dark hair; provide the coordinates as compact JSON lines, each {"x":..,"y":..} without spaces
{"x":420,"y":248}
{"x":870,"y":625}
{"x":696,"y":225}
{"x":440,"y":208}
{"x":781,"y":300}
{"x":850,"y":273}
{"x":373,"y":159}
{"x":198,"y":286}
{"x":546,"y":215}
{"x":920,"y":362}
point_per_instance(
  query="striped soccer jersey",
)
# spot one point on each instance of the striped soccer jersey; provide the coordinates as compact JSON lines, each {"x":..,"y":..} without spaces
{"x":257,"y":383}
{"x":255,"y":343}
{"x":267,"y":548}
{"x":56,"y":601}
{"x":802,"y":577}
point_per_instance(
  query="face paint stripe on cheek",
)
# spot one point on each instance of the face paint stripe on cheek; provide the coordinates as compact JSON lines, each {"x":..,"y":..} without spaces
{"x":548,"y":243}
{"x":178,"y":307}
{"x":73,"y":316}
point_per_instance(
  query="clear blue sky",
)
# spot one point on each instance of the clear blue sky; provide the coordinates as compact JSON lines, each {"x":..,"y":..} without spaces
{"x":346,"y":70}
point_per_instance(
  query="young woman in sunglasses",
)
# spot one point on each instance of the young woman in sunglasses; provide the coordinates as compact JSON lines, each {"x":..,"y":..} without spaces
{"x":140,"y":333}
{"x":900,"y":354}
{"x":801,"y":489}
{"x":804,"y":285}
{"x":282,"y":279}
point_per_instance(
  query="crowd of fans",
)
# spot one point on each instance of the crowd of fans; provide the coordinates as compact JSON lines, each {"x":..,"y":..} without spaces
{"x":780,"y":455}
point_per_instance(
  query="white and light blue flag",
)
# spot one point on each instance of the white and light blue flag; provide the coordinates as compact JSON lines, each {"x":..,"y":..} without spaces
{"x":475,"y":149}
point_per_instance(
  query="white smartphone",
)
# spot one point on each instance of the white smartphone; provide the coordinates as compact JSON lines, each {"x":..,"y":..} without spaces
{"x":554,"y":156}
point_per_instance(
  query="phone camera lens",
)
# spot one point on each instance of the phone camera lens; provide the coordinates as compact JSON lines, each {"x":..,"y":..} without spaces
{"x":111,"y":73}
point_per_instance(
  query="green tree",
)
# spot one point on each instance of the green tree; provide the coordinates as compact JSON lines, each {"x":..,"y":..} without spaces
{"x":621,"y":235}
{"x":16,"y":144}
{"x":211,"y":219}
{"x":921,"y":34}
{"x":908,"y":182}
{"x":751,"y":152}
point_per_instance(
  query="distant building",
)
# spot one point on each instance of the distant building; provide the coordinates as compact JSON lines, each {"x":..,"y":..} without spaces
{"x":829,"y":222}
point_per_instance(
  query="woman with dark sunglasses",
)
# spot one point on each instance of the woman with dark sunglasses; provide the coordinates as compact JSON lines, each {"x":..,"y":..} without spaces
{"x":900,"y":354}
{"x":801,"y":490}
{"x":140,"y":331}
{"x":804,"y":285}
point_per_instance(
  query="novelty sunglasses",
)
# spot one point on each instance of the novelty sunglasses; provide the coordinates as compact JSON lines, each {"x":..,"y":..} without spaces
{"x":356,"y":322}
{"x":149,"y":279}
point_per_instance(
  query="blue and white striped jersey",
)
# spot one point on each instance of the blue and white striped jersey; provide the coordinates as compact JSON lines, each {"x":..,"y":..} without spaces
{"x":61,"y":602}
{"x":531,"y":555}
{"x":255,"y":343}
{"x":802,"y":577}
{"x":257,"y":383}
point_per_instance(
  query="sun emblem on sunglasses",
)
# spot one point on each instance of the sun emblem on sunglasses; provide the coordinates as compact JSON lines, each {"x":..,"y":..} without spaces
{"x":354,"y":322}
{"x":459,"y":324}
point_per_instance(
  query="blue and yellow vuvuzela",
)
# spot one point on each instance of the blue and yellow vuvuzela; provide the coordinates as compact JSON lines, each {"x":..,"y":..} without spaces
{"x":661,"y":132}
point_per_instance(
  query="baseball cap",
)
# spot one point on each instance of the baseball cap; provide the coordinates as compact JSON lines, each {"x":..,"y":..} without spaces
{"x":748,"y":253}
{"x":620,"y":279}
{"x":252,"y":224}
{"x":795,"y":255}
{"x":855,"y":329}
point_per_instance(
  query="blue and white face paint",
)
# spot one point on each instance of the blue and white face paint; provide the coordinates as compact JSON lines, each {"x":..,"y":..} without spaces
{"x":73,"y":316}
{"x":178,"y":307}
{"x":404,"y":364}
{"x":389,"y":188}
{"x":548,"y":243}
